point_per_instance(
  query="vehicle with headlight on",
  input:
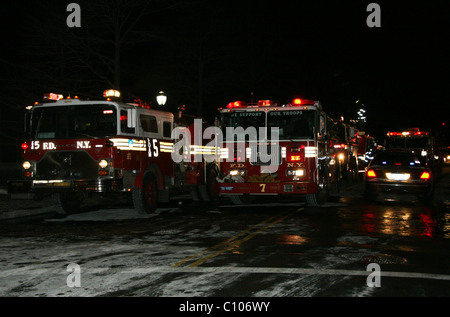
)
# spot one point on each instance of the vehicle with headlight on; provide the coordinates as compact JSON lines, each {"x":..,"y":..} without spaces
{"x":399,"y":173}
{"x":86,"y":148}
{"x":277,"y":149}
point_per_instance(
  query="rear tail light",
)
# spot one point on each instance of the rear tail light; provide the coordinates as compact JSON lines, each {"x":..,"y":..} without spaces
{"x":425,"y":175}
{"x":371,"y":174}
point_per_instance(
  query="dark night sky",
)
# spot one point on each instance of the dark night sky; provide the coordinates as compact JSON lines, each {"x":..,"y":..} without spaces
{"x":321,"y":50}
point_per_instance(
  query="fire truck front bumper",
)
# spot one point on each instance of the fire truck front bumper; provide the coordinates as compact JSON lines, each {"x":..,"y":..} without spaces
{"x":53,"y":186}
{"x":291,"y":188}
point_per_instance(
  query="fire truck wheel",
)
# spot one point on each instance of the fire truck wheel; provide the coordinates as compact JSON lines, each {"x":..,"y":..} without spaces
{"x":316,"y":200}
{"x":242,"y":199}
{"x":145,"y":199}
{"x":67,"y":203}
{"x":319,"y":198}
{"x":209,"y":192}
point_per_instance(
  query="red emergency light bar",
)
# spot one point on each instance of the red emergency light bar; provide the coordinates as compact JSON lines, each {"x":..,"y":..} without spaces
{"x":407,"y":133}
{"x":236,"y":104}
{"x":266,"y":103}
{"x":53,"y":97}
{"x":302,"y":102}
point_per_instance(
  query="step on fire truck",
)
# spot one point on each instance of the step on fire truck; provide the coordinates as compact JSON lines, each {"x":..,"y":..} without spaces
{"x":81,"y":148}
{"x":297,"y":161}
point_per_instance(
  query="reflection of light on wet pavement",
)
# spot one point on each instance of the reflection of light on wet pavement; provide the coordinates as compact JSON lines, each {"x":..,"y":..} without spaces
{"x":429,"y":225}
{"x":292,"y":239}
{"x":406,"y":221}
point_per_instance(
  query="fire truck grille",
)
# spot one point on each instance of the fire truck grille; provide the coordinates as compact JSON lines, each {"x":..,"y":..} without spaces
{"x":67,"y":165}
{"x":265,"y":155}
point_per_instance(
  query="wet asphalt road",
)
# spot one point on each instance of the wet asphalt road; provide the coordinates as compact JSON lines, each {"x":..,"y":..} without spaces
{"x":272,"y":248}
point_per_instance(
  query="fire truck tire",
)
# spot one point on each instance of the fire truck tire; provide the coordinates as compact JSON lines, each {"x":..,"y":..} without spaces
{"x":319,"y":198}
{"x":208,"y":192}
{"x":315,"y":200}
{"x":67,"y":203}
{"x":242,"y":199}
{"x":145,"y":199}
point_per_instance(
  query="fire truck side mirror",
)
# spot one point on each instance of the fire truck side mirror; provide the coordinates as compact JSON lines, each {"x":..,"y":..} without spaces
{"x":131,"y":118}
{"x":26,"y":126}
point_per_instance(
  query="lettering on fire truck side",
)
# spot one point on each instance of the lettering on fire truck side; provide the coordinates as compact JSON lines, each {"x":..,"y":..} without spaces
{"x":152,"y":147}
{"x":83,"y":144}
{"x":35,"y":145}
{"x":295,"y":165}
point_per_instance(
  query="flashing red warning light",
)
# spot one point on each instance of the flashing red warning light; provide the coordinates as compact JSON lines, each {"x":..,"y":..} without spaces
{"x":236,"y":104}
{"x":339,"y":146}
{"x":266,"y":103}
{"x":53,"y":97}
{"x":302,"y":102}
{"x":24,"y":146}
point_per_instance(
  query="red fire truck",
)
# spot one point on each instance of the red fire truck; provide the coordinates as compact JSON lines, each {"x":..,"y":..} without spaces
{"x":416,"y":141}
{"x":80,"y":148}
{"x":298,"y":160}
{"x":345,"y":145}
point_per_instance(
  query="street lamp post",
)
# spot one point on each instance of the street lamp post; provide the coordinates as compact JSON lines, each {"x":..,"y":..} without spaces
{"x":161,"y":98}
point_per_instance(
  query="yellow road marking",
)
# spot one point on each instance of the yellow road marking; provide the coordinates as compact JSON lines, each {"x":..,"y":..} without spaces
{"x":233,"y":241}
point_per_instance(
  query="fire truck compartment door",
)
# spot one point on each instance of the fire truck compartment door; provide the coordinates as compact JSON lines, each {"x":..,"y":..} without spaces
{"x":131,"y":118}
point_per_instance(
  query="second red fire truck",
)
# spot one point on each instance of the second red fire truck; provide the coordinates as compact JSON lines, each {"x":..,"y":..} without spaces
{"x":298,"y":160}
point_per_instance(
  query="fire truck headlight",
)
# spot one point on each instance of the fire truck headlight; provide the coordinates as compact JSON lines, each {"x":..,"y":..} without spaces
{"x":103,"y":164}
{"x":241,"y":173}
{"x":26,"y":165}
{"x":341,"y":157}
{"x":296,"y":172}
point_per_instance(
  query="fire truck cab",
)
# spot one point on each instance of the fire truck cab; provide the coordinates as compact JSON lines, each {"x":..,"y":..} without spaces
{"x":82,"y":147}
{"x":291,"y":154}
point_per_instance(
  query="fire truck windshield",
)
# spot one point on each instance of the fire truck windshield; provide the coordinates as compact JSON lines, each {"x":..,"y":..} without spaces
{"x":244,"y":120}
{"x":76,"y":121}
{"x":292,"y":124}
